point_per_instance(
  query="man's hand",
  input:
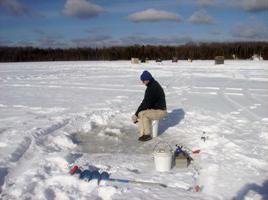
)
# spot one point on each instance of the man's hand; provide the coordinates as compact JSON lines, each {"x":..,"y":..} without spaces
{"x":134,"y":119}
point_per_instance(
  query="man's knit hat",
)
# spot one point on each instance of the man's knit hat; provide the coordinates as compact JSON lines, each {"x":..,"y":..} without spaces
{"x":146,"y":76}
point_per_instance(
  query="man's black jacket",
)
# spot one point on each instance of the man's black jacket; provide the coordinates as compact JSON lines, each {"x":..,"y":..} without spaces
{"x":154,"y":97}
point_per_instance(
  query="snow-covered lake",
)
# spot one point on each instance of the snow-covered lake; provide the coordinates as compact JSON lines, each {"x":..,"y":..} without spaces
{"x":57,"y":114}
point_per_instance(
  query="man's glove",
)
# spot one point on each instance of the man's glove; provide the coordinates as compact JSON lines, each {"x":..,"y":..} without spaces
{"x":134,"y":119}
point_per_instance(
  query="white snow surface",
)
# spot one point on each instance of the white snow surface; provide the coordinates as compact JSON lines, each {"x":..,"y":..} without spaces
{"x":54,"y":115}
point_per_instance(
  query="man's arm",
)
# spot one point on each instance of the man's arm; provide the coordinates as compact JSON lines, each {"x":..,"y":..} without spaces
{"x":146,"y":102}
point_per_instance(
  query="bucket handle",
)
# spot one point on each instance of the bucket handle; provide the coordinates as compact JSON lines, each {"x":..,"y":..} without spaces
{"x":167,"y":144}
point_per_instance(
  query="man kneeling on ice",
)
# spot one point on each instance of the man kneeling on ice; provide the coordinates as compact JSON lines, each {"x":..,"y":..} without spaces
{"x":152,"y":107}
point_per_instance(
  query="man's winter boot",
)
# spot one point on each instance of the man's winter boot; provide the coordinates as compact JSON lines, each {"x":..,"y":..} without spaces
{"x":145,"y":138}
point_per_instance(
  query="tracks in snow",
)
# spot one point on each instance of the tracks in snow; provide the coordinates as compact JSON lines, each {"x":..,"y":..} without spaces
{"x":238,"y":106}
{"x":27,"y":146}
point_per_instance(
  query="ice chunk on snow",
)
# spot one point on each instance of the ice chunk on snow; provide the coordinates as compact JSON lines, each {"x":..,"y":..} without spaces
{"x":87,"y":127}
{"x":3,"y":144}
{"x":61,"y":142}
{"x":101,"y":118}
{"x":106,"y":193}
{"x":265,"y":119}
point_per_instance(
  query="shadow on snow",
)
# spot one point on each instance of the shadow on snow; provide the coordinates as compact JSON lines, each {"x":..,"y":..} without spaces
{"x":262,"y":190}
{"x":3,"y":173}
{"x":172,"y":119}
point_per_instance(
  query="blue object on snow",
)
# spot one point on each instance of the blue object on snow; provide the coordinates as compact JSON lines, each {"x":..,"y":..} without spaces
{"x":178,"y":150}
{"x":104,"y":176}
{"x":86,"y":175}
{"x":78,"y":171}
{"x":95,"y":175}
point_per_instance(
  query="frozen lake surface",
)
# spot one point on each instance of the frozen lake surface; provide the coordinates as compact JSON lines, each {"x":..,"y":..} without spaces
{"x":57,"y":114}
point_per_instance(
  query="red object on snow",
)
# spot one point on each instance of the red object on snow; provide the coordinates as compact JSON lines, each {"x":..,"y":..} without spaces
{"x":73,"y":169}
{"x":196,"y":151}
{"x":197,"y":188}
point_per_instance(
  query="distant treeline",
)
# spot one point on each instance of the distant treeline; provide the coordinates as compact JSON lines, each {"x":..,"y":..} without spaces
{"x":203,"y":51}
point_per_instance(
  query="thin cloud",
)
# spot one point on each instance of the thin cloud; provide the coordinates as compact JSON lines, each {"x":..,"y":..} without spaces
{"x":53,"y":40}
{"x":5,"y":42}
{"x":93,"y":41}
{"x":201,"y":17}
{"x":254,"y":5}
{"x":50,"y":43}
{"x":95,"y":30}
{"x":250,"y":5}
{"x":206,"y":2}
{"x":216,"y":32}
{"x":107,"y":41}
{"x":153,"y":15}
{"x":8,"y":43}
{"x":82,"y":9}
{"x":249,"y":31}
{"x":24,"y":44}
{"x":39,"y":32}
{"x":201,"y":3}
{"x":14,"y":7}
{"x":155,"y":40}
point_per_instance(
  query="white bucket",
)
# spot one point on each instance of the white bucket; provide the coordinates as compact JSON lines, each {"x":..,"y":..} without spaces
{"x":155,"y":124}
{"x":163,"y":158}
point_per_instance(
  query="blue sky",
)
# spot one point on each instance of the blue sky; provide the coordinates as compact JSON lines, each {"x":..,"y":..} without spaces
{"x":97,"y":23}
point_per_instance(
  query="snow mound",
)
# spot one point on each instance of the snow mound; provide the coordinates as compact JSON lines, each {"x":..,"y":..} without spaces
{"x":60,"y":142}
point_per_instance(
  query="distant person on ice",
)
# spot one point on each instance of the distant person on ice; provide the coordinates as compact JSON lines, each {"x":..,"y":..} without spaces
{"x":152,"y":107}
